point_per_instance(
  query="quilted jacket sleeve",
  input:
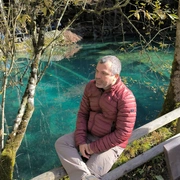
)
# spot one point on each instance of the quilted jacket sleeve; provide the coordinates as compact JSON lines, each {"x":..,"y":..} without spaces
{"x":82,"y":119}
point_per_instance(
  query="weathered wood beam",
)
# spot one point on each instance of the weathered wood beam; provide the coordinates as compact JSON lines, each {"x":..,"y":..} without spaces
{"x":172,"y":156}
{"x":54,"y":174}
{"x":137,"y":161}
{"x":58,"y":173}
{"x":155,"y":124}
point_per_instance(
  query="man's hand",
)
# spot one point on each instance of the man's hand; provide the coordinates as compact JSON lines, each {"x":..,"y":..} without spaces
{"x":85,"y":150}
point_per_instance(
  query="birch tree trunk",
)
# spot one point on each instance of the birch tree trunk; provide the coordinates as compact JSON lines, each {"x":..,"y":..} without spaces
{"x":42,"y":10}
{"x":25,"y":112}
{"x":8,"y":154}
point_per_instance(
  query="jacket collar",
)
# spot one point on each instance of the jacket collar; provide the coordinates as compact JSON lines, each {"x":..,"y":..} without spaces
{"x":113,"y":87}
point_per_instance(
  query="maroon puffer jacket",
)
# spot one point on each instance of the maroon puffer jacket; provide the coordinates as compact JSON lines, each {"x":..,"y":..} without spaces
{"x":100,"y":111}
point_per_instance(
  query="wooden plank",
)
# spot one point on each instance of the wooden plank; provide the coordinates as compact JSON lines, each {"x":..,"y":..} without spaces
{"x":117,"y":172}
{"x":153,"y":125}
{"x":137,"y":133}
{"x":172,"y":156}
{"x":53,"y":174}
{"x":137,"y":161}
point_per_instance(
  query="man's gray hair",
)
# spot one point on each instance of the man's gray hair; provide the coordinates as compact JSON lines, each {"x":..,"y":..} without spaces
{"x":116,"y":63}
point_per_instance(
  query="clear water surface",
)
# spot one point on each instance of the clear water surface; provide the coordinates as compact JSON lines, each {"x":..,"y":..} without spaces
{"x":59,"y":93}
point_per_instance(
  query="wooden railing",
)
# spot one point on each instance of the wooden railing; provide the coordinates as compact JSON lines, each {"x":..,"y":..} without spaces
{"x":118,"y":172}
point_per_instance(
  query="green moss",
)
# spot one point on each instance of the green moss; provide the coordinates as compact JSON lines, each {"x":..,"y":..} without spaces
{"x":8,"y":155}
{"x":65,"y":178}
{"x":7,"y":161}
{"x":177,"y":105}
{"x":145,"y":143}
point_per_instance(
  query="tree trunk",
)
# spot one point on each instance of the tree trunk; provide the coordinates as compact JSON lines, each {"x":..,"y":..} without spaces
{"x":8,"y":155}
{"x":172,"y":100}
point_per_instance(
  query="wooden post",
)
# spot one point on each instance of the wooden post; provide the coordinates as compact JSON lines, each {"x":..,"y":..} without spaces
{"x":172,"y":156}
{"x":137,"y":161}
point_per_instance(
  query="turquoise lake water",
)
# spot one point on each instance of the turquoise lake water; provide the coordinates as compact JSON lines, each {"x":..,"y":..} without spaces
{"x":59,"y":93}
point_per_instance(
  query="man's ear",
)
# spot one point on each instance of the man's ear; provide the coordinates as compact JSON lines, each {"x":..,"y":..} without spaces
{"x":116,"y":76}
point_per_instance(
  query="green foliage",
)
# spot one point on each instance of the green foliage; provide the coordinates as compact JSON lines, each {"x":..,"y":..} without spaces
{"x":158,"y":12}
{"x":153,"y":17}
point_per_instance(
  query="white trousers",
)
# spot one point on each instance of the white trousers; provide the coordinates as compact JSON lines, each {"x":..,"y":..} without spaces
{"x":98,"y":164}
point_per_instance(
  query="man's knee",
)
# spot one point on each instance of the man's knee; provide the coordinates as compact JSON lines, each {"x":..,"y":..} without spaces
{"x":59,"y":142}
{"x":65,"y":140}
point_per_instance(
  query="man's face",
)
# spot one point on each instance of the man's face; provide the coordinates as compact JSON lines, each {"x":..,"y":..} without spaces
{"x":104,"y":77}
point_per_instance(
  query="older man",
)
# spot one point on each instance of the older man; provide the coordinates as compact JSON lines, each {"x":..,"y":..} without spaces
{"x":105,"y":122}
